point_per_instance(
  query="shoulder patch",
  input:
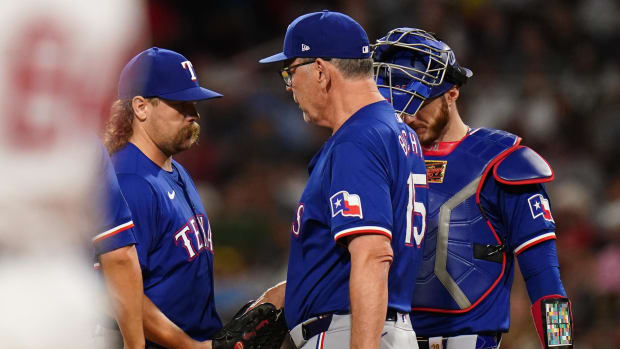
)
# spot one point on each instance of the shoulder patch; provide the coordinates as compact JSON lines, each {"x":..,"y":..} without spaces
{"x":523,"y":166}
{"x":349,"y":205}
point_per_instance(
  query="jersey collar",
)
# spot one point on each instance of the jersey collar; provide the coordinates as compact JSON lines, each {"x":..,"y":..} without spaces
{"x":443,"y":148}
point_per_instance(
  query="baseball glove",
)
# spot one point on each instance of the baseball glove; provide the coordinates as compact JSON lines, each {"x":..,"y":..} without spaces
{"x":260,"y":328}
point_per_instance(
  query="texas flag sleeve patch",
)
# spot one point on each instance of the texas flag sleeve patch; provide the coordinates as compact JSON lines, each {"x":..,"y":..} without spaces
{"x":348,"y":205}
{"x":539,"y":206}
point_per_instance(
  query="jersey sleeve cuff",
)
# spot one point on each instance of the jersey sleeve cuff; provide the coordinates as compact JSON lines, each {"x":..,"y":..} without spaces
{"x":111,"y":232}
{"x":534,"y":241}
{"x":363,"y":230}
{"x":115,"y":238}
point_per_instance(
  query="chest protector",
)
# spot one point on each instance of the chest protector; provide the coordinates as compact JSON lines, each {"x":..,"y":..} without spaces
{"x":464,"y":258}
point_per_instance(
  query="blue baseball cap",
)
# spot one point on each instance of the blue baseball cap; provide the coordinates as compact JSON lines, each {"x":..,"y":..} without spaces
{"x":323,"y":34}
{"x":158,"y":72}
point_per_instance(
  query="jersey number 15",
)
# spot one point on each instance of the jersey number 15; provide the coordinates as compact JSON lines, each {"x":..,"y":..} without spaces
{"x":415,"y":208}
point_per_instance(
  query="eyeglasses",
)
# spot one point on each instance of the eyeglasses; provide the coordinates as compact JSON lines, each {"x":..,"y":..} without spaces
{"x":287,"y":72}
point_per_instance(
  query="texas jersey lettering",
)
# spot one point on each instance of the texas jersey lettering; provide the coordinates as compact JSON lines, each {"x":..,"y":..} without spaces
{"x":194,"y":237}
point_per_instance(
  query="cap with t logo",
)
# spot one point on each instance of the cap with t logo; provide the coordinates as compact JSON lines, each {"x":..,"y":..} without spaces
{"x":158,"y":72}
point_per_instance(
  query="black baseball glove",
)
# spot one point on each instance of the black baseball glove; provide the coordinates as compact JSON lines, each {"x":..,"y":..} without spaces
{"x":260,"y":328}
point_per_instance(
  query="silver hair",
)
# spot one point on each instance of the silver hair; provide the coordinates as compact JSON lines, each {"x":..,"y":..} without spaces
{"x":354,"y":68}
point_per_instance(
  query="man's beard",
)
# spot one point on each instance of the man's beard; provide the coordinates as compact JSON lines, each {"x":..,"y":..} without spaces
{"x":437,"y":126}
{"x":185,"y":138}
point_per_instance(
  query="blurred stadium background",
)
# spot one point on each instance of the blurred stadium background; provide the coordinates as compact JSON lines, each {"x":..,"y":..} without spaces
{"x":546,"y":70}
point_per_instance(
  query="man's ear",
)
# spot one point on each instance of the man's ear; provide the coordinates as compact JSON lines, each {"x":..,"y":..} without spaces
{"x":324,"y":73}
{"x":140,"y":106}
{"x":453,"y":94}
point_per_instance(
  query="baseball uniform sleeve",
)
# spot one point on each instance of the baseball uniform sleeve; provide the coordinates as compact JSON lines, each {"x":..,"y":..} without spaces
{"x":359,"y":192}
{"x":541,"y":270}
{"x":142,"y":202}
{"x":526,"y":213}
{"x":116,"y":224}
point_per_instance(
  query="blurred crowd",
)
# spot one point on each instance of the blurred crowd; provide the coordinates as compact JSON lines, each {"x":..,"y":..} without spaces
{"x":548,"y":71}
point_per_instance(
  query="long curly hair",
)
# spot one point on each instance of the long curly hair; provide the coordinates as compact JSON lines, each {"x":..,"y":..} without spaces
{"x":119,"y":128}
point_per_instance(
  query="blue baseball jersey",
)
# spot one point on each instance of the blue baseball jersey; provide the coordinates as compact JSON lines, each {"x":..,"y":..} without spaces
{"x":175,"y":248}
{"x":116,"y":229}
{"x":474,"y":295}
{"x":368,"y":178}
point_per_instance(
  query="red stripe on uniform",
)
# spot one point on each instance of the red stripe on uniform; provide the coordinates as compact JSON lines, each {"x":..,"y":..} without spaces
{"x":113,"y":232}
{"x":364,"y":231}
{"x":534,"y":242}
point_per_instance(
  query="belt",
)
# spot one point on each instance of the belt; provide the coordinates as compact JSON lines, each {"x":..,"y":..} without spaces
{"x":321,"y":323}
{"x":483,"y":341}
{"x":424,"y":344}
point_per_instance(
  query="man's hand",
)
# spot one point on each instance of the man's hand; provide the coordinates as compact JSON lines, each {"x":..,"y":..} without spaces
{"x":274,"y":295}
{"x":159,"y":329}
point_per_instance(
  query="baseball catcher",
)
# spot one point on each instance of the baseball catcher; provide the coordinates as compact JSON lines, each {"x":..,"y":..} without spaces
{"x":488,"y":207}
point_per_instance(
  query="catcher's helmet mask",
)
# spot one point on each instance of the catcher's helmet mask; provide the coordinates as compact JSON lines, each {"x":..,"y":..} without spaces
{"x":412,"y":65}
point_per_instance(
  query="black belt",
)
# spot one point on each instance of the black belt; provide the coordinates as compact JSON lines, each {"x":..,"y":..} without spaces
{"x":321,"y":324}
{"x":492,"y":339}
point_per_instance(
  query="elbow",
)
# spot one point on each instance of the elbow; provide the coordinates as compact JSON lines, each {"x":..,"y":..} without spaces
{"x":122,"y":257}
{"x":381,"y":250}
{"x":385,"y":254}
{"x":373,"y":249}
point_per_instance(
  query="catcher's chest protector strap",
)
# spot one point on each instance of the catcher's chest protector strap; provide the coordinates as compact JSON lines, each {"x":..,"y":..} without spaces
{"x":553,"y":318}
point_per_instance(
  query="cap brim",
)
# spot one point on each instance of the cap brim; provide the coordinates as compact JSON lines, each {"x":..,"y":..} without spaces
{"x":191,"y":94}
{"x":278,"y":57}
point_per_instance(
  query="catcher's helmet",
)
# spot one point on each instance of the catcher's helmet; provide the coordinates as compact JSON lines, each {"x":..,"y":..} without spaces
{"x":412,"y":65}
